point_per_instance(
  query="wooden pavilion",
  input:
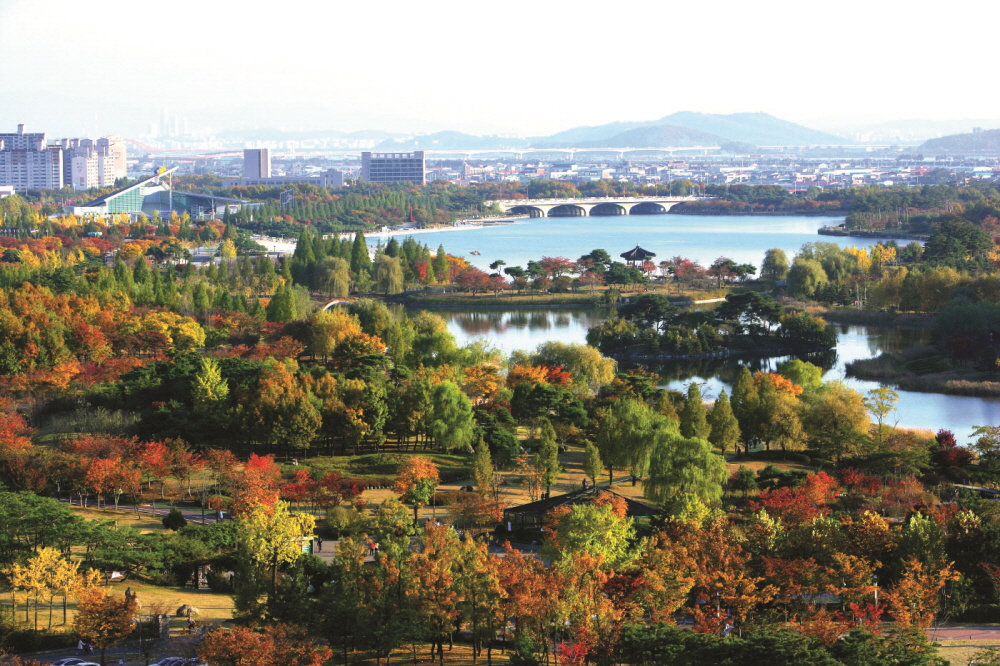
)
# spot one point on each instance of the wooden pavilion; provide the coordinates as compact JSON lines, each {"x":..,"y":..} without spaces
{"x":637,"y":255}
{"x":533,"y":514}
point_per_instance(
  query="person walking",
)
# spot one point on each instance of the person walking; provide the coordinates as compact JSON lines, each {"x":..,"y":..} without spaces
{"x":79,"y":646}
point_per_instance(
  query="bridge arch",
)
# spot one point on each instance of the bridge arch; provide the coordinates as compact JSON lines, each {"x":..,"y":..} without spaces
{"x":609,"y":209}
{"x":336,"y":301}
{"x":531,"y":211}
{"x":567,"y":210}
{"x":647,"y":208}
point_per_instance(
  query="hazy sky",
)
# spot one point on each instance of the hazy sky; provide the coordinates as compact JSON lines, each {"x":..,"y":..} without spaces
{"x":521,"y":67}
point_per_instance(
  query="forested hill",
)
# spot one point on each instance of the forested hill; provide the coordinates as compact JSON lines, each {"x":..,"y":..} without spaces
{"x":987,"y":141}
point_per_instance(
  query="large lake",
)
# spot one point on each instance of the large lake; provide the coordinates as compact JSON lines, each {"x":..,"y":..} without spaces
{"x":744,"y":239}
{"x":703,"y":238}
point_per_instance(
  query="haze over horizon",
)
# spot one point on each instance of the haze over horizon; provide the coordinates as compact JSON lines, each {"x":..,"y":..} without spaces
{"x":525,"y":69}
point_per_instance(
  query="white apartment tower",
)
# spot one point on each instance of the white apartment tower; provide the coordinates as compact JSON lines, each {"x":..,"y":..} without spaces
{"x":89,"y":163}
{"x":26,"y":162}
{"x":256,"y":163}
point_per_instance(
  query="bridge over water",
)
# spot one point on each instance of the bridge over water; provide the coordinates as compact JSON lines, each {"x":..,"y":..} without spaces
{"x":591,"y":206}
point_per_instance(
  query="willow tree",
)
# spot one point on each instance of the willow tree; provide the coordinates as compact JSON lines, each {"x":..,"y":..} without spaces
{"x":679,"y":466}
{"x":452,"y":422}
{"x":388,"y":275}
{"x":626,"y":436}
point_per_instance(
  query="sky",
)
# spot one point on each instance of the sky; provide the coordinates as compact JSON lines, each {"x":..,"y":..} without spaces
{"x":518,"y":67}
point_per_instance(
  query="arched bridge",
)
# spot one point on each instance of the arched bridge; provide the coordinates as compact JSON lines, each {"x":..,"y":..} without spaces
{"x":591,"y":206}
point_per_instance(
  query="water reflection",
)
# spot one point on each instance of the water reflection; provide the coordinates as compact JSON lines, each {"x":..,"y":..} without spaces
{"x":511,"y":330}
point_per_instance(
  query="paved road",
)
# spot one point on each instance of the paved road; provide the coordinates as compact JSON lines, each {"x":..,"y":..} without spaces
{"x":190,"y":515}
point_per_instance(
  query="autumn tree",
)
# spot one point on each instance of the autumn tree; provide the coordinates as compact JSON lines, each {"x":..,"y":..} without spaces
{"x":104,"y":619}
{"x":280,"y":411}
{"x":416,"y":482}
{"x":278,"y":644}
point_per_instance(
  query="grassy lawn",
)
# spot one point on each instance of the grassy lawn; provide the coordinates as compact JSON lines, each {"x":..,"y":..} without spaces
{"x":959,"y":653}
{"x":143,"y":522}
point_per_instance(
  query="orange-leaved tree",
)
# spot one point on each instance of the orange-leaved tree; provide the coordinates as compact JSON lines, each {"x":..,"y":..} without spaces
{"x":416,"y":482}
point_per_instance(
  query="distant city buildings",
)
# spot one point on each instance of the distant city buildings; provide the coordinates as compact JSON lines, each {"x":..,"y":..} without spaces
{"x":393,"y":167}
{"x":88,"y":163}
{"x":256,"y":163}
{"x":28,"y":161}
{"x":329,"y":178}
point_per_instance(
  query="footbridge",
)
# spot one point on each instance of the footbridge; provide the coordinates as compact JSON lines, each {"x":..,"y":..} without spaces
{"x":591,"y":206}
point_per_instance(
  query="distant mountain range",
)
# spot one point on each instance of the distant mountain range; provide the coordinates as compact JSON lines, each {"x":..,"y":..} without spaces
{"x":983,"y":141}
{"x":760,"y":129}
{"x":678,"y":130}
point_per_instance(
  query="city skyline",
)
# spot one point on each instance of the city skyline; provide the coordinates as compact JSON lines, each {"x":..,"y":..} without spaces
{"x":526,"y":69}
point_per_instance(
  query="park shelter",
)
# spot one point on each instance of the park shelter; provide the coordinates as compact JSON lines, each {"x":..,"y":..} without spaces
{"x":533,"y":514}
{"x":637,"y":256}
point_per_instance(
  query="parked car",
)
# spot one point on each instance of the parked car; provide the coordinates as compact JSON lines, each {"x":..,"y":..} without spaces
{"x":69,"y":661}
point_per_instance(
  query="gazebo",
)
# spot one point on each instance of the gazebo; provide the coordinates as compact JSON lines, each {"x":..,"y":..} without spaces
{"x":637,"y":256}
{"x":533,"y":514}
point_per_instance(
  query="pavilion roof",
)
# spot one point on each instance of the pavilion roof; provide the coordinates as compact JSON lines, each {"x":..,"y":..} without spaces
{"x":637,"y":254}
{"x":579,"y":497}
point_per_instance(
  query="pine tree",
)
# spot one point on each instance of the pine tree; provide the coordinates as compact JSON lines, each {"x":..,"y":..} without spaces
{"x":725,"y":428}
{"x":482,"y":468}
{"x":441,"y":265}
{"x":744,"y":403}
{"x":694,"y":416}
{"x":547,"y":457}
{"x":360,"y":261}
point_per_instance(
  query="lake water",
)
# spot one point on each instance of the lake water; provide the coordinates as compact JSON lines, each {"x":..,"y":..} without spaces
{"x":744,"y":239}
{"x":510,"y":330}
{"x":703,"y":238}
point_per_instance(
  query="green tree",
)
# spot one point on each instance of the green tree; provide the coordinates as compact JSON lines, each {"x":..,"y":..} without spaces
{"x":209,"y":389}
{"x":360,"y":261}
{"x":547,"y":456}
{"x":836,"y":421}
{"x":482,"y":469}
{"x":625,"y":436}
{"x":595,"y":530}
{"x":880,"y":402}
{"x":592,"y":464}
{"x":333,"y":277}
{"x":774,"y":266}
{"x":802,"y":373}
{"x":452,"y":421}
{"x":680,"y":465}
{"x":805,"y":277}
{"x":267,"y":538}
{"x":744,"y":403}
{"x":694,"y":416}
{"x":388,"y":275}
{"x":281,"y":307}
{"x":725,"y":428}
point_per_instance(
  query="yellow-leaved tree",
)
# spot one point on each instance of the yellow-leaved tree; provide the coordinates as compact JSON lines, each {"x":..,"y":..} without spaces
{"x":267,"y":539}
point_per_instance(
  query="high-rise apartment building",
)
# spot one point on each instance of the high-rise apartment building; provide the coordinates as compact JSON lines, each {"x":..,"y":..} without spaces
{"x":88,"y":163}
{"x":256,"y":163}
{"x":26,"y":162}
{"x":393,"y":167}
